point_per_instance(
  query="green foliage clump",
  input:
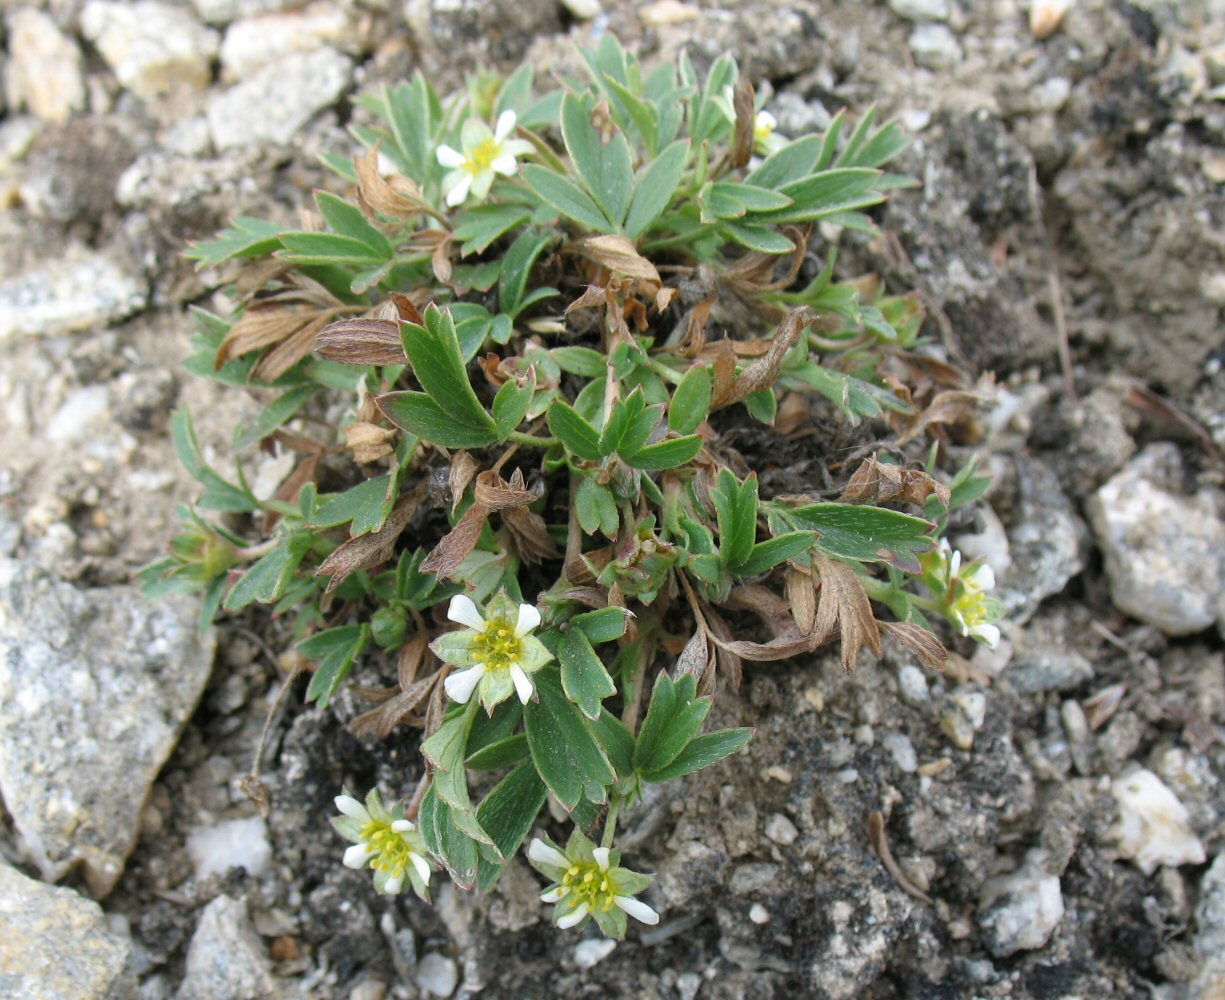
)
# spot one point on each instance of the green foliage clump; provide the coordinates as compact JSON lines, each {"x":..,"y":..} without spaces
{"x":567,"y":326}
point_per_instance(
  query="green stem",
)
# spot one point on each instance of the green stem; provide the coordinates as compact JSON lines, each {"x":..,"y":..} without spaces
{"x":664,"y":372}
{"x":531,"y":440}
{"x":610,"y":822}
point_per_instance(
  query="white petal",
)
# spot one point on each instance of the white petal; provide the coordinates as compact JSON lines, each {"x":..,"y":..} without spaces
{"x":504,"y":165}
{"x":553,"y":895}
{"x":460,"y":686}
{"x":504,"y":127}
{"x":357,"y":855}
{"x":517,"y":147}
{"x":422,"y":866}
{"x":570,"y":919}
{"x":523,"y":683}
{"x":983,"y":578}
{"x":394,"y":884}
{"x":766,"y":121}
{"x":529,"y":618}
{"x":402,"y":826}
{"x":954,"y":564}
{"x":538,"y":850}
{"x":462,"y":610}
{"x":450,"y":157}
{"x":458,"y":194}
{"x":348,"y":805}
{"x":990,"y":634}
{"x":601,"y":858}
{"x":637,"y":909}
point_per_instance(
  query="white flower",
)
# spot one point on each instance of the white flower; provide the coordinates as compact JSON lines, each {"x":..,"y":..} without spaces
{"x":496,"y":648}
{"x":387,"y":842}
{"x":589,"y":883}
{"x":485,"y":154}
{"x":969,"y":607}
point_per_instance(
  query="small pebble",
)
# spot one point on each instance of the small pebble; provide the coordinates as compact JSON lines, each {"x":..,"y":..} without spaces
{"x":759,"y":914}
{"x":1076,"y":728}
{"x":815,"y":698}
{"x":781,"y":830}
{"x":776,"y":772}
{"x":912,"y":686}
{"x":437,"y":974}
{"x":903,"y":752}
{"x":588,"y":954}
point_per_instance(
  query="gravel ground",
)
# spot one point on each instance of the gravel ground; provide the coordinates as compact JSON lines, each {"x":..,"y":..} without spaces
{"x":1052,"y":813}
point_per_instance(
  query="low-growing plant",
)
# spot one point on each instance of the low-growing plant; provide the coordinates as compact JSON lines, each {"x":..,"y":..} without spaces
{"x":525,"y":368}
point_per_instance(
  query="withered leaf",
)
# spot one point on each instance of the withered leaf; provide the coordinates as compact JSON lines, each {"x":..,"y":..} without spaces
{"x":457,"y":543}
{"x":762,"y":602}
{"x":531,"y":534}
{"x":368,"y":442}
{"x":918,"y":640}
{"x":496,"y":493}
{"x":288,"y":352}
{"x":878,"y":482}
{"x":594,"y":295}
{"x":259,"y":327}
{"x":369,"y":550}
{"x":725,"y":374}
{"x":463,"y":468}
{"x":362,"y":342}
{"x":697,"y":658}
{"x":781,"y":647}
{"x":802,"y":598}
{"x":843,"y":604}
{"x":617,"y":254}
{"x":397,"y":197}
{"x":946,"y":407}
{"x":730,"y":663}
{"x":762,"y":373}
{"x":744,"y":135}
{"x":382,"y":720}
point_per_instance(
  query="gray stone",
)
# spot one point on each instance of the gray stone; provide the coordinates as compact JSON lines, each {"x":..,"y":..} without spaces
{"x":1047,"y":542}
{"x":1209,"y":940}
{"x":921,"y":10}
{"x":68,"y":296}
{"x":44,"y":69}
{"x":255,"y":42}
{"x":1020,"y":911}
{"x":438,"y":975}
{"x":56,"y":945}
{"x":224,"y":11}
{"x":1048,"y":668}
{"x":153,"y":49}
{"x":95,"y":687}
{"x":934,"y":46}
{"x":902,"y":751}
{"x":226,"y":957}
{"x":912,"y":686}
{"x":1165,"y":552}
{"x":279,"y":99}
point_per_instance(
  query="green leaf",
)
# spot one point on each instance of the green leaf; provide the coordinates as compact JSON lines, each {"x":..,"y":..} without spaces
{"x":246,"y":237}
{"x":267,"y":578}
{"x":566,"y":754}
{"x":691,"y":401}
{"x":736,"y":512}
{"x":566,"y":197}
{"x":366,"y":505}
{"x":336,"y":650}
{"x":328,"y":248}
{"x":476,"y":228}
{"x":276,"y":413}
{"x":751,"y":196}
{"x":666,"y":454}
{"x":606,"y":168}
{"x":502,"y":753}
{"x":579,"y":361}
{"x":766,"y":555}
{"x":757,"y":237}
{"x":673,"y":717}
{"x":604,"y":625}
{"x":657,"y":183}
{"x":511,"y":403}
{"x":348,"y":220}
{"x":868,"y":534}
{"x":507,"y":812}
{"x":517,"y":268}
{"x":418,"y":413}
{"x":617,"y":741}
{"x":824,"y":193}
{"x":583,"y":675}
{"x":702,"y":751}
{"x":412,"y":109}
{"x":795,"y":160}
{"x":450,"y":845}
{"x":576,"y":433}
{"x":762,"y":405}
{"x":219,"y":493}
{"x":596,"y":508}
{"x":434,"y":353}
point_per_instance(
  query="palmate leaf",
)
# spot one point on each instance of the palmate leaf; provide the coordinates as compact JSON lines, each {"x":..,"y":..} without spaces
{"x":564,"y":749}
{"x":862,"y":532}
{"x":246,"y":237}
{"x":604,"y":164}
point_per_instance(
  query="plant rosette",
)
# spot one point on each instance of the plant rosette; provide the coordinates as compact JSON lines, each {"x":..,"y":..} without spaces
{"x":496,"y":649}
{"x":588,"y":883}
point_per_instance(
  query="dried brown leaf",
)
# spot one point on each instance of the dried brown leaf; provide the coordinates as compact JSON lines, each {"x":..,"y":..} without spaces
{"x":362,"y":342}
{"x":368,"y":441}
{"x":369,"y":550}
{"x":259,"y":327}
{"x":730,"y":663}
{"x":878,"y":482}
{"x":288,"y":352}
{"x":945,"y":408}
{"x":397,"y":197}
{"x":802,"y":598}
{"x":531,"y":534}
{"x":724,"y":369}
{"x":918,"y":640}
{"x":744,"y":134}
{"x":463,"y":468}
{"x":412,"y":655}
{"x":617,"y":254}
{"x":843,"y":605}
{"x":457,"y":543}
{"x":763,"y":373}
{"x":382,"y":720}
{"x":495,"y":493}
{"x":593,"y":296}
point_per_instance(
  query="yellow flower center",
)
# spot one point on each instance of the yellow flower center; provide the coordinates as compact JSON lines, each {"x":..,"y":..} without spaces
{"x":392,"y":847}
{"x":497,"y":647}
{"x":481,"y":158}
{"x":589,"y":885}
{"x":762,"y":129}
